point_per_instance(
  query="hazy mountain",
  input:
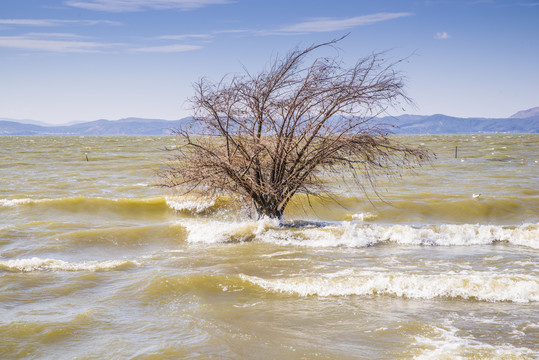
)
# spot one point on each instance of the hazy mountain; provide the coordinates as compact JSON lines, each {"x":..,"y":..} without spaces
{"x":533,"y":112}
{"x":129,"y":126}
{"x":526,"y":121}
{"x":442,"y":124}
{"x":26,"y":121}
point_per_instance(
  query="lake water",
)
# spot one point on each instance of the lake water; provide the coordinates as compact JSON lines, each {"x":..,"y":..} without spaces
{"x":96,"y":263}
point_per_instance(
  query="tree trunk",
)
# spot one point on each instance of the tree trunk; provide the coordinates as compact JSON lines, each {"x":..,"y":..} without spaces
{"x":269,"y":209}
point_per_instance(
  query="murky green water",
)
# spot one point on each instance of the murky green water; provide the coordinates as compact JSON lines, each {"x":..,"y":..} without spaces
{"x":95,"y":263}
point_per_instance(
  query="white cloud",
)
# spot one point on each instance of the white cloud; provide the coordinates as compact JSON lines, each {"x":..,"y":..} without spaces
{"x":332,"y":24}
{"x":168,"y":48}
{"x":38,"y":43}
{"x":55,"y":22}
{"x":140,"y":5}
{"x":73,"y":43}
{"x":442,"y":35}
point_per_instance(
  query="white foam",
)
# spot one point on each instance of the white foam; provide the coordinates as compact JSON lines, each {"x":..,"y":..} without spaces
{"x":358,"y":235}
{"x":480,"y":286}
{"x":363,"y":216}
{"x":193,"y":205}
{"x":445,"y":343}
{"x":14,"y":202}
{"x":39,"y":264}
{"x":352,"y":234}
{"x":222,"y":232}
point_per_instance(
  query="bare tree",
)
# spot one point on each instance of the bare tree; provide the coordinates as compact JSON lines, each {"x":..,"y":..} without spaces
{"x":269,"y":136}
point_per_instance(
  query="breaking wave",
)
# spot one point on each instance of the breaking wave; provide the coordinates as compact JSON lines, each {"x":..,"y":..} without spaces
{"x":90,"y":204}
{"x":185,"y":205}
{"x":479,"y":286}
{"x":445,"y":343}
{"x":352,"y":234}
{"x":420,"y":208}
{"x":39,"y":264}
{"x":476,"y":286}
{"x":14,"y":202}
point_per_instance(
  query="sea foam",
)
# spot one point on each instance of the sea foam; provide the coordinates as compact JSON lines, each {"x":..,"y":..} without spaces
{"x":224,"y":232}
{"x":351,"y":234}
{"x":445,"y":343}
{"x":14,"y":202}
{"x":39,"y":264}
{"x":192,"y":205}
{"x":480,"y":286}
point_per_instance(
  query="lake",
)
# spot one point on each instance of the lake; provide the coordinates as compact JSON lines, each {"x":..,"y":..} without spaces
{"x":98,"y":263}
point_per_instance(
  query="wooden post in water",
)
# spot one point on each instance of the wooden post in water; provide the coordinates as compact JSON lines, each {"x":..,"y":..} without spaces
{"x":456,"y":152}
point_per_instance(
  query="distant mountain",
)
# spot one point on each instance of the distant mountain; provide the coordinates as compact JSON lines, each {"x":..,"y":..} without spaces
{"x":26,"y":121}
{"x":128,"y":126}
{"x":526,"y":121}
{"x":443,"y":124}
{"x":533,"y":112}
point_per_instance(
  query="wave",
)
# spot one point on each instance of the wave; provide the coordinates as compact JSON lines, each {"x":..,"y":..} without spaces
{"x":355,"y":231}
{"x":192,"y":204}
{"x":445,"y":343}
{"x":14,"y":202}
{"x":211,"y":232}
{"x":350,"y":234}
{"x":83,"y":201}
{"x":464,"y":285}
{"x":39,"y":264}
{"x":417,"y":208}
{"x":476,"y":208}
{"x":186,"y":205}
{"x":480,"y":286}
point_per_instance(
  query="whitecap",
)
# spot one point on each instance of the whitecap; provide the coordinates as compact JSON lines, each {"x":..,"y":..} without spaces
{"x":359,"y":235}
{"x":363,"y":216}
{"x":444,"y":343}
{"x":350,"y":234}
{"x":193,"y":205}
{"x":39,"y":264}
{"x":465,"y":285}
{"x":211,"y":232}
{"x":14,"y":202}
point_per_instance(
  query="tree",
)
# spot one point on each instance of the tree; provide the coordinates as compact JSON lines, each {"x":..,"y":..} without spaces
{"x":269,"y":136}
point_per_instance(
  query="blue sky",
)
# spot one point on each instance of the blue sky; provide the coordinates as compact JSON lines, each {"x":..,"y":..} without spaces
{"x":78,"y":60}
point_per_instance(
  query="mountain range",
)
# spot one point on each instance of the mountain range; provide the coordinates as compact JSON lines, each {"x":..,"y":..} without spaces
{"x":525,"y":121}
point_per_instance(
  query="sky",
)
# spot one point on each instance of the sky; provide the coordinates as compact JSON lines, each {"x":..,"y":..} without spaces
{"x":64,"y":61}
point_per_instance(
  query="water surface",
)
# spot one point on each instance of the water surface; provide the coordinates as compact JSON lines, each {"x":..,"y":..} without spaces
{"x":95,"y":262}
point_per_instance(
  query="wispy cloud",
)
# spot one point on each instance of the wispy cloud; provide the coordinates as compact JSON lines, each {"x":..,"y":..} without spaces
{"x":442,"y":35}
{"x":140,"y":5}
{"x":333,"y":24}
{"x":174,"y":48}
{"x":39,"y":43}
{"x":55,"y":22}
{"x":53,"y":42}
